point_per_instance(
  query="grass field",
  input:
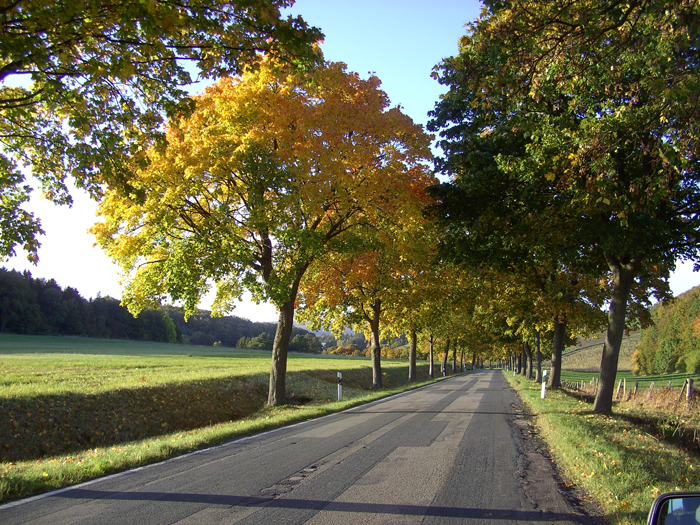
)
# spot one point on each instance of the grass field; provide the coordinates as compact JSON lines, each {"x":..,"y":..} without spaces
{"x":659,"y":381}
{"x":76,"y":408}
{"x":585,"y":357}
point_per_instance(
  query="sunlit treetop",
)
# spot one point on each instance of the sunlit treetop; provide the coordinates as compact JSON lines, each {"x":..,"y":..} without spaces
{"x":273,"y":169}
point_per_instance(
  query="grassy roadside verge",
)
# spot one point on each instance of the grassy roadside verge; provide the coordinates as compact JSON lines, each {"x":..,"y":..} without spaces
{"x":615,"y":461}
{"x":24,"y":478}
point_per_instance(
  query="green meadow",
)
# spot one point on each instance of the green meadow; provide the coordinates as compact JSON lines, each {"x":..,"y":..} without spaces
{"x":76,"y":408}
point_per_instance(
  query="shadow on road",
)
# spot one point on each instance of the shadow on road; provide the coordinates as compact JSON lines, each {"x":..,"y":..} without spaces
{"x":320,"y":505}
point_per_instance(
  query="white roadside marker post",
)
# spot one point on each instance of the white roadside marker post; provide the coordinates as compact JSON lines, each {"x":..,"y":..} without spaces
{"x":544,"y":383}
{"x":340,"y":386}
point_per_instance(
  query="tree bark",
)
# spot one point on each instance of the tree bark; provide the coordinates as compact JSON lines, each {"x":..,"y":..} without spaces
{"x":277,"y":394}
{"x":538,"y":354}
{"x":557,"y":347}
{"x":521,"y":364}
{"x":412,"y":358}
{"x":376,"y":346}
{"x":445,"y":356}
{"x":454,"y":359}
{"x":528,"y":359}
{"x":278,"y":371}
{"x":624,"y":272}
{"x":431,"y":369}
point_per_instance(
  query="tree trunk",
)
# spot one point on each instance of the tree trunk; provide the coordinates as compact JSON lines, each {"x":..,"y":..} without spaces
{"x":557,"y":347}
{"x":538,"y":354}
{"x":521,"y":364}
{"x":278,"y":371}
{"x":445,"y":356}
{"x":412,"y":358}
{"x":454,"y":359}
{"x":461,"y":360}
{"x":431,"y":369}
{"x":473,"y":360}
{"x":527,"y":354}
{"x":623,"y":277}
{"x":376,"y":346}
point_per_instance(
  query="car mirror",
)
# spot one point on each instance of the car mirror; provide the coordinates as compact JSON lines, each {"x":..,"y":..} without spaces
{"x":675,"y":508}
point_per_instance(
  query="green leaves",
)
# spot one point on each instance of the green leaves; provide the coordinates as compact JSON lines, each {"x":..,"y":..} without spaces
{"x":98,"y":80}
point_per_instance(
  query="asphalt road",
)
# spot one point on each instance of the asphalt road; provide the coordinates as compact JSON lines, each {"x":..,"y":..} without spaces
{"x":453,"y":452}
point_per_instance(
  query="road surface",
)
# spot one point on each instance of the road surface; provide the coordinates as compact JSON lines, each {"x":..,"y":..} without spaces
{"x":452,"y":452}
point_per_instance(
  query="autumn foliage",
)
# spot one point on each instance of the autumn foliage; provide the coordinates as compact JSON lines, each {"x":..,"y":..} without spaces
{"x":273,"y":170}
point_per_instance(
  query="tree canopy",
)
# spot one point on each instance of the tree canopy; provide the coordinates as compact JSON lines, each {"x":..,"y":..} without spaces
{"x":273,"y":169}
{"x":86,"y":85}
{"x":570,"y":131}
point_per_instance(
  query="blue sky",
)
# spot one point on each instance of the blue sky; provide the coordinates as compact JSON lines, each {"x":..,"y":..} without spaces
{"x":400,"y":41}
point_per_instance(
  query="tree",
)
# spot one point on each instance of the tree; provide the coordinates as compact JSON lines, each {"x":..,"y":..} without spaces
{"x":305,"y":343}
{"x":588,"y":112}
{"x":354,"y":290}
{"x":672,"y":343}
{"x":365,"y":287}
{"x":19,"y":310}
{"x":272,"y":170}
{"x":85,"y":85}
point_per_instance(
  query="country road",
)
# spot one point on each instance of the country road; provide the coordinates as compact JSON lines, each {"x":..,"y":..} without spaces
{"x":454,"y":452}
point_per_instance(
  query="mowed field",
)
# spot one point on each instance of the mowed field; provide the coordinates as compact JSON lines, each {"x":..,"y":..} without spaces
{"x":98,"y":406}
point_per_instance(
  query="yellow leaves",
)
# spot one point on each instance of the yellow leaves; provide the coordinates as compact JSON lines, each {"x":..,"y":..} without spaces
{"x":550,"y":176}
{"x":272,"y":152}
{"x":127,"y":71}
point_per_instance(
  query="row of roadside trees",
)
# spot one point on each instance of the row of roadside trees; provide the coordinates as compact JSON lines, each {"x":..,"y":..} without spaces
{"x":569,"y":138}
{"x":570,"y":132}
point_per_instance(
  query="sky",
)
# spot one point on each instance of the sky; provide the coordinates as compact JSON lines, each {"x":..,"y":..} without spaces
{"x":399,"y":41}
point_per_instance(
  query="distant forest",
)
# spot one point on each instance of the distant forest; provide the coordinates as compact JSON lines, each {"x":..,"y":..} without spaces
{"x":672,"y":343}
{"x":40,"y":306}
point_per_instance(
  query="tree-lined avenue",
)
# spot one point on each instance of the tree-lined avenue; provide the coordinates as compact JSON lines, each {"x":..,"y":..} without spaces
{"x":451,"y":452}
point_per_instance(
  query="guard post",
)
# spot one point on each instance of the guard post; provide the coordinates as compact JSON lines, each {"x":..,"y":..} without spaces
{"x":544,"y":383}
{"x":340,"y":386}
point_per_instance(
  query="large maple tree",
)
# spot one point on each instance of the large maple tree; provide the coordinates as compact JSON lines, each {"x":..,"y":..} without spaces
{"x":273,"y":169}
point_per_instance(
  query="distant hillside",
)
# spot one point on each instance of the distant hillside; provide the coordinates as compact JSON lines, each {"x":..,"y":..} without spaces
{"x":673,"y":343}
{"x":585,"y":356}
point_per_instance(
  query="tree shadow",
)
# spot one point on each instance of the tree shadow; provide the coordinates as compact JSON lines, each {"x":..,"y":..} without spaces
{"x":47,"y":425}
{"x":63,"y":424}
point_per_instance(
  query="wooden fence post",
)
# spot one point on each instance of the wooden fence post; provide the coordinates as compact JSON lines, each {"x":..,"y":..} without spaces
{"x":619,"y":387}
{"x":636,"y":388}
{"x":651,"y":388}
{"x":680,"y":396}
